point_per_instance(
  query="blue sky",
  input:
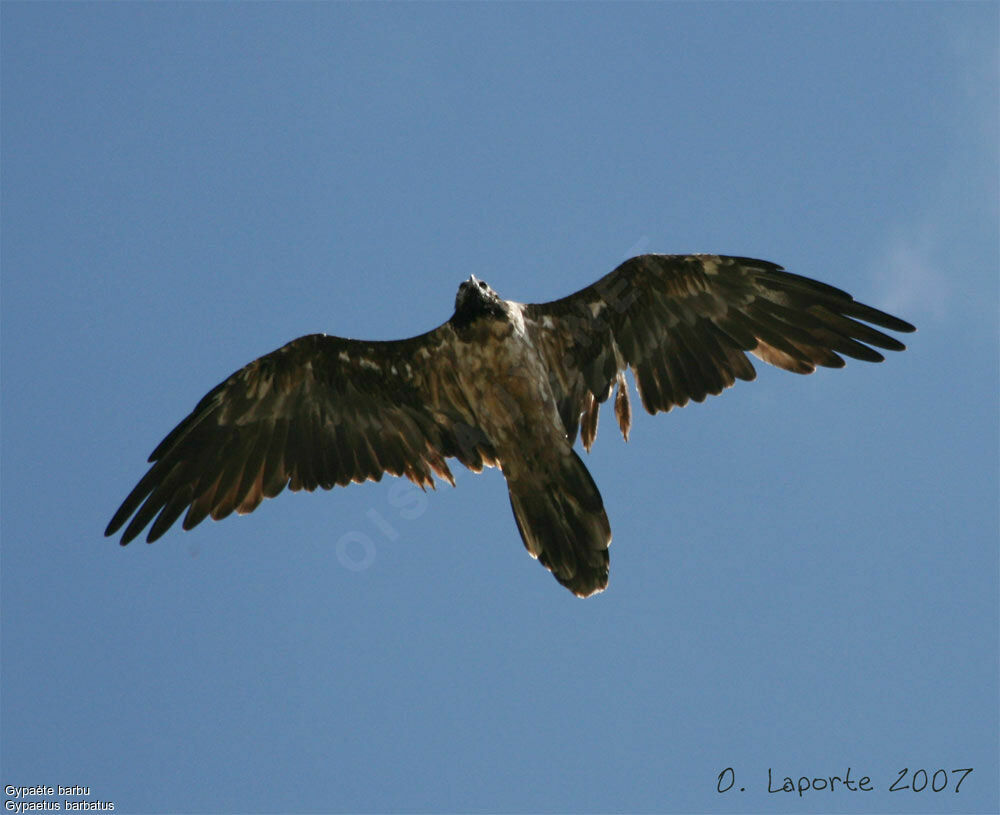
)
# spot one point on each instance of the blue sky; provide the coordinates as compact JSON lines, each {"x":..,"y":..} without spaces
{"x":804,"y":574}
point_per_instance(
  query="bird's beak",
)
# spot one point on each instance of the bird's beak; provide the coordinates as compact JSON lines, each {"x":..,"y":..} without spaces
{"x":472,"y":279}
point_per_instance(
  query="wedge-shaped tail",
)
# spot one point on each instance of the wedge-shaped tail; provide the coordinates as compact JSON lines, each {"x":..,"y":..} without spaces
{"x":561,"y":518}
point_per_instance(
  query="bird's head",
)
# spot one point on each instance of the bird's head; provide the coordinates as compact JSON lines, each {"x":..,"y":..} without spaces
{"x":476,"y":299}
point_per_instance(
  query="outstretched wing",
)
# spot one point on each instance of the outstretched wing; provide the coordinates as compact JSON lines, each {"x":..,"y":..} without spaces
{"x":683,"y":323}
{"x":317,"y":412}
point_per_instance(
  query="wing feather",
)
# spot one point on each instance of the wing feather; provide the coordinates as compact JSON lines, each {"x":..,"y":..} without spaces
{"x":257,"y":444}
{"x":275,"y":475}
{"x":684,"y":325}
{"x":647,"y":386}
{"x":176,"y":504}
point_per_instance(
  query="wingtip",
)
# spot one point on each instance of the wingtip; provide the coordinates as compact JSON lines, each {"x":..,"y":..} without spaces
{"x":886,"y":320}
{"x":903,"y":326}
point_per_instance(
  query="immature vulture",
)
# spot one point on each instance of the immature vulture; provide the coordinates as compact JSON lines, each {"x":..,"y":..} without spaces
{"x":501,"y":384}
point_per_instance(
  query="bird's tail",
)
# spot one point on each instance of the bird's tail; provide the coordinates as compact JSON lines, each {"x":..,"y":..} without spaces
{"x":561,"y":518}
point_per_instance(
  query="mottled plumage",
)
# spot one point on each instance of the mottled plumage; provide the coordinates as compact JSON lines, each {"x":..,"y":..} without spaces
{"x":500,"y":384}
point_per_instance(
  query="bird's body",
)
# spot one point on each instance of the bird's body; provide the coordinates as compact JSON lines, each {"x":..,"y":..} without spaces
{"x":557,"y":506}
{"x":499,"y":384}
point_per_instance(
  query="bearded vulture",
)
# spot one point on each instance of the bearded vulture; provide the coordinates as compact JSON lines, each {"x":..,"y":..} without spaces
{"x":500,"y":384}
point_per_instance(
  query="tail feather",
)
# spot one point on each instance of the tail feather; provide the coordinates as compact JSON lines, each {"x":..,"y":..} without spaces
{"x":561,"y":518}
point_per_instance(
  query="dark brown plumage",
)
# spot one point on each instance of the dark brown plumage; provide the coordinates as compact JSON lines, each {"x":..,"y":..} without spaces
{"x":500,"y":384}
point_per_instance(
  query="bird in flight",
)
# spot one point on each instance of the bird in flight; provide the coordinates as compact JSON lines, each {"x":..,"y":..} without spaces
{"x":500,"y":384}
